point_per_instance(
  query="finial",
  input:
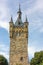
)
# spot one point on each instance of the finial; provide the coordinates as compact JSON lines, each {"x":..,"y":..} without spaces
{"x":19,"y":9}
{"x":11,"y":19}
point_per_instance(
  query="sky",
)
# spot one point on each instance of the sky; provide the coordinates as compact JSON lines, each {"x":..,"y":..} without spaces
{"x":33,"y":9}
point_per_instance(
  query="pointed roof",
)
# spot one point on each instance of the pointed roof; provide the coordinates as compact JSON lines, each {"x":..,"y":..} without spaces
{"x":19,"y":20}
{"x":11,"y":20}
{"x":26,"y":19}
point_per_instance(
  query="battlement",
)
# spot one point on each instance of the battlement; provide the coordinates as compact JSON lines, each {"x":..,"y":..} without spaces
{"x":20,"y":29}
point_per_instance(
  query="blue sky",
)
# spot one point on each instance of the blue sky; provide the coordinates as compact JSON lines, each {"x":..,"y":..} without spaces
{"x":34,"y":11}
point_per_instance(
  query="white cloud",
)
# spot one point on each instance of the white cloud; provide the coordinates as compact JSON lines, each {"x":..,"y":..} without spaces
{"x":37,"y":6}
{"x":4,"y":14}
{"x":4,"y":47}
{"x":5,"y":25}
{"x":4,"y":10}
{"x":36,"y":25}
{"x":34,"y":46}
{"x":31,"y":51}
{"x":41,"y":30}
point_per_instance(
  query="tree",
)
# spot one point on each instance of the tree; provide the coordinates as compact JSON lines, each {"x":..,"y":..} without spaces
{"x":3,"y":60}
{"x":38,"y":59}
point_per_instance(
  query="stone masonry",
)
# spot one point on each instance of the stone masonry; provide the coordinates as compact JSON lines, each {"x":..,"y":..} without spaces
{"x":18,"y":41}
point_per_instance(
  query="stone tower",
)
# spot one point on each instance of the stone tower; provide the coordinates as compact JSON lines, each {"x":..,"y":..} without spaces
{"x":18,"y":41}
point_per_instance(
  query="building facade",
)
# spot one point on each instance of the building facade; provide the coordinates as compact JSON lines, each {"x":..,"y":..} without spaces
{"x":18,"y":41}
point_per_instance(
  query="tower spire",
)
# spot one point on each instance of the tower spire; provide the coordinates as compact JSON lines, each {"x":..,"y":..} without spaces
{"x":26,"y":19}
{"x":19,"y":12}
{"x":11,"y":19}
{"x":19,"y":9}
{"x":19,"y":20}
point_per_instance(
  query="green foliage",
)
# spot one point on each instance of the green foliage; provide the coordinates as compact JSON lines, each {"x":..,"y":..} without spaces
{"x":38,"y":59}
{"x":3,"y":60}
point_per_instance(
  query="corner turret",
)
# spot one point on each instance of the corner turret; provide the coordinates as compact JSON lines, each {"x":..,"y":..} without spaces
{"x":11,"y":27}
